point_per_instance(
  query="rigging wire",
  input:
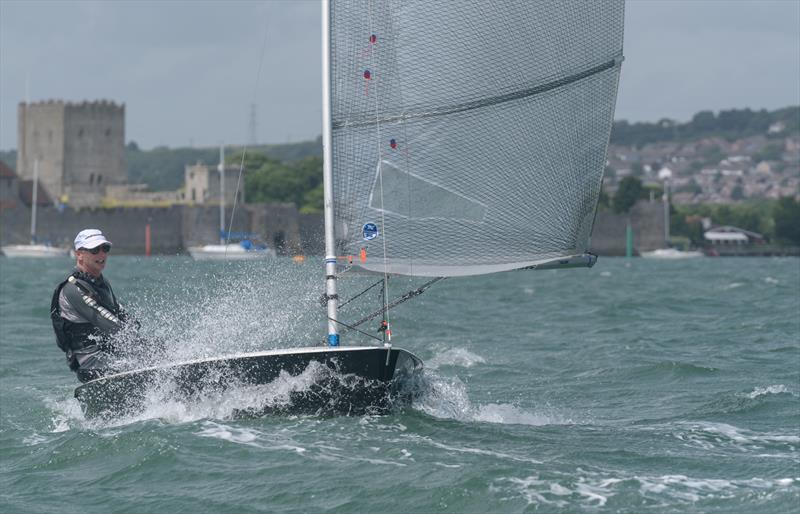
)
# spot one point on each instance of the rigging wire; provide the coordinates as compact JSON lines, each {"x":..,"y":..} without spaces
{"x":397,"y":301}
{"x":361,"y":293}
{"x":351,"y":327}
{"x":244,"y":148}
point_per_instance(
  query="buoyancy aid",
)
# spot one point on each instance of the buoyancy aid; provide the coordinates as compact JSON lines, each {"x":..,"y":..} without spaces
{"x":72,"y":337}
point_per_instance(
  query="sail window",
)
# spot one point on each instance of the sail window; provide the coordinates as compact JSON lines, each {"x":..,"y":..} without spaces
{"x":411,"y":196}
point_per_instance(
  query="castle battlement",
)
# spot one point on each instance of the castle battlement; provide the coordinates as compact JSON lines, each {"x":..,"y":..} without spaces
{"x":85,"y":104}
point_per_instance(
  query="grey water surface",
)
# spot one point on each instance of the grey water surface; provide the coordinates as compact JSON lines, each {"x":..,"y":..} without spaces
{"x":641,"y":386}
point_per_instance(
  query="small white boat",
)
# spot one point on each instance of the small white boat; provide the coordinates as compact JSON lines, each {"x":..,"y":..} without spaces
{"x":34,"y":250}
{"x":244,"y":250}
{"x":671,"y":253}
{"x":231,"y":251}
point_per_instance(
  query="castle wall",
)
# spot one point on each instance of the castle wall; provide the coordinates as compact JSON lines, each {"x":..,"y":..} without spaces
{"x":40,"y":134}
{"x":173,"y":229}
{"x":200,"y":224}
{"x":278,"y":224}
{"x":312,"y":233}
{"x":94,"y":150}
{"x":124,"y":227}
{"x":647,"y":222}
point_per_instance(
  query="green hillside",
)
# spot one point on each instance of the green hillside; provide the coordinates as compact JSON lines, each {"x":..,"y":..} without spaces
{"x":162,"y":168}
{"x":732,"y":124}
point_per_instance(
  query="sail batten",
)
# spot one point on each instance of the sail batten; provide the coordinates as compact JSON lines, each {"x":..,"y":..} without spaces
{"x":477,"y":104}
{"x":470,"y":137}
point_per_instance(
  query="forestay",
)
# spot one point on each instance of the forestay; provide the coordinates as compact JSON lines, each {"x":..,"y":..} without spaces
{"x":469,"y":137}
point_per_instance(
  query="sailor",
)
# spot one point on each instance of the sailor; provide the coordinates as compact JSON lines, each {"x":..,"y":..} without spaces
{"x":84,"y":311}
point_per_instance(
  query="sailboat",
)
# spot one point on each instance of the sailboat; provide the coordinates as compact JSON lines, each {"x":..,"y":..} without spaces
{"x":669,"y":253}
{"x":34,"y":249}
{"x":225,"y":250}
{"x":458,"y":139}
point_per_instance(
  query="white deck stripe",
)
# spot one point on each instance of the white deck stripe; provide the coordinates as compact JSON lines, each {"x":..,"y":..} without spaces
{"x":281,"y":351}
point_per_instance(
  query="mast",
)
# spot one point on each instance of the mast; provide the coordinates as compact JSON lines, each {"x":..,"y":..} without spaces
{"x":221,"y":168}
{"x":327,"y":179}
{"x":34,"y":199}
{"x":666,"y":212}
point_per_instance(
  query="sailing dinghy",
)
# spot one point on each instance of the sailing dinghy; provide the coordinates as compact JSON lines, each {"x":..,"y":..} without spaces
{"x":460,"y":138}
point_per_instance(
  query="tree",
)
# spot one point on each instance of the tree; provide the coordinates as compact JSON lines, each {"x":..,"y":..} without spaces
{"x":771,"y":152}
{"x":629,"y":191}
{"x":274,"y":181}
{"x":689,"y":227}
{"x":704,"y":121}
{"x":786,"y":214}
{"x":313,"y":201}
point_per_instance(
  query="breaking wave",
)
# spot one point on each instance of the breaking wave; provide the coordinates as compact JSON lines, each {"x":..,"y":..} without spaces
{"x":769,"y":390}
{"x":447,"y":398}
{"x":598,"y":489}
{"x":455,"y":357}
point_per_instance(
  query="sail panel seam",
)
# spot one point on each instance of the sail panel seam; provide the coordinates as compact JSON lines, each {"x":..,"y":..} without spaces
{"x":486,"y":102}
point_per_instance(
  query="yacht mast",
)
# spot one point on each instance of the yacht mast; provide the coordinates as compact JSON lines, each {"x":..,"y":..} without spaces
{"x":34,"y":199}
{"x":331,"y":297}
{"x":666,"y":212}
{"x":222,"y":236}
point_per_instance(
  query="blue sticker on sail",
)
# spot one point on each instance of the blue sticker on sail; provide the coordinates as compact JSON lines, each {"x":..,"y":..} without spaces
{"x":370,"y":231}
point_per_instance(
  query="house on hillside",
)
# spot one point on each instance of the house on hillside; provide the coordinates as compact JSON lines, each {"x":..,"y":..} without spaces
{"x":15,"y":192}
{"x":728,"y":235}
{"x":26,"y":194}
{"x":9,"y":187}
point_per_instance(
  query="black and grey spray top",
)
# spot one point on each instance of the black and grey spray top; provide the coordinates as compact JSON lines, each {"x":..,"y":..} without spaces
{"x":100,"y":308}
{"x":84,"y":312}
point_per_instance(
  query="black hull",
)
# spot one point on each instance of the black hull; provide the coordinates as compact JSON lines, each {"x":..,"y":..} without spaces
{"x":347,"y":380}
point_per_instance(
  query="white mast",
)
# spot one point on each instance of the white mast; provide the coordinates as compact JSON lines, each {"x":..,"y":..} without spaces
{"x":34,"y":199}
{"x":221,"y":168}
{"x":666,"y":211}
{"x":327,"y":177}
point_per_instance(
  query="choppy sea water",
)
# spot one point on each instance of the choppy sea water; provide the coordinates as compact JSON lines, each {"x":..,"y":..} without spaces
{"x":655,"y":387}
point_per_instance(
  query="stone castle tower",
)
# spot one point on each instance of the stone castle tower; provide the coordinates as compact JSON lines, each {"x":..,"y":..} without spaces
{"x":80,"y":148}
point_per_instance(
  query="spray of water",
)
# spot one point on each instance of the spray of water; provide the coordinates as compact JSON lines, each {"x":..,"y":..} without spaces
{"x":228,"y":309}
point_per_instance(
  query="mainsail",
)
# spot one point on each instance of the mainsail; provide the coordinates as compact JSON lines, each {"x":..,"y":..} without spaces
{"x":469,"y":137}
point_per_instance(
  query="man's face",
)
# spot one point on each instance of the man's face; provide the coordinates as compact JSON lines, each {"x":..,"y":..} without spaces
{"x":90,"y":263}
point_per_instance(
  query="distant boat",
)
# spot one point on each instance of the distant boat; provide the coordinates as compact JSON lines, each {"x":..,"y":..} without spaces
{"x":244,"y":250}
{"x":34,"y":249}
{"x":671,"y":253}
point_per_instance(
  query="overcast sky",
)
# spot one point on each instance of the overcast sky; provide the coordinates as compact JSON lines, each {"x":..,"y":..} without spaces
{"x":187,"y":71}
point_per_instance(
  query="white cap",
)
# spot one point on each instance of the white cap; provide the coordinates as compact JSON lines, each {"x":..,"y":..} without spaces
{"x":90,"y":238}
